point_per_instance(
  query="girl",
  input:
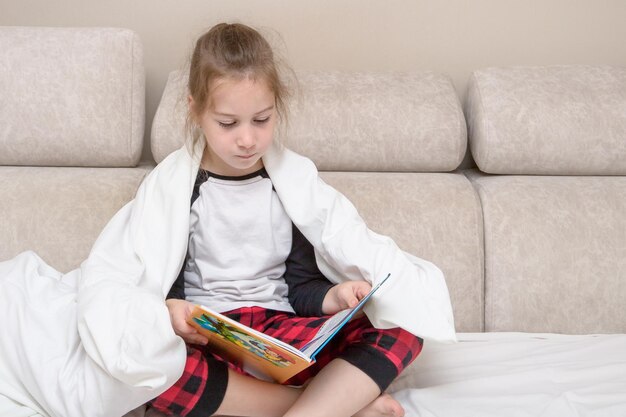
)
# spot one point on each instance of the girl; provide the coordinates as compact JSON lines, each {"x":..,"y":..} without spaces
{"x":246,"y":258}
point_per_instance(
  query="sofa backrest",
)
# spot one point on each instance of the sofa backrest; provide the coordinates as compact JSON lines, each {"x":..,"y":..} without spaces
{"x":71,"y":97}
{"x":555,"y":246}
{"x":388,"y":142}
{"x":71,"y":133}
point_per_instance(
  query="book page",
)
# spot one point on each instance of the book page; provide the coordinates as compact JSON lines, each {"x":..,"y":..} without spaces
{"x":334,"y":323}
{"x":325,"y":332}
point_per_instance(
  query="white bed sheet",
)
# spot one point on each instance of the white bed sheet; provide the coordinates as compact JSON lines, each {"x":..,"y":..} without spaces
{"x":506,"y":374}
{"x":517,"y":374}
{"x":9,"y":408}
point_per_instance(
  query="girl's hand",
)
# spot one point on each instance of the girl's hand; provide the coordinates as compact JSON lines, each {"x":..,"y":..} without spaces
{"x":345,"y":295}
{"x":179,"y":311}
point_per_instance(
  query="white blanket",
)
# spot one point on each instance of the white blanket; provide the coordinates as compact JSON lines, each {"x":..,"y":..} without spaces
{"x":98,"y":341}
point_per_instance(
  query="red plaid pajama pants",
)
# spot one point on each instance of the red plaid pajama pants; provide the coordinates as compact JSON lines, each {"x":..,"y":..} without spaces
{"x":381,"y":353}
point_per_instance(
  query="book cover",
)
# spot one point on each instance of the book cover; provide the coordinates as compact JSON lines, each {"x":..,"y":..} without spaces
{"x":262,"y":355}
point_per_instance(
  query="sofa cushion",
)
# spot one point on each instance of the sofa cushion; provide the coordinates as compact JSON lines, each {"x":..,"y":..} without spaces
{"x":555,"y":120}
{"x":353,"y":121}
{"x":378,"y":121}
{"x":58,"y":212}
{"x":435,"y":216}
{"x":555,"y":253}
{"x":71,"y":97}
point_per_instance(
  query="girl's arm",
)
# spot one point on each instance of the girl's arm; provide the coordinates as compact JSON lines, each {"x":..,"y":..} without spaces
{"x":310,"y":292}
{"x":307,"y":286}
{"x":180,"y":309}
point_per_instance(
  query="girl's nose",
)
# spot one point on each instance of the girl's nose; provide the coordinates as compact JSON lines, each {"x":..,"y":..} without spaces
{"x":246,"y":138}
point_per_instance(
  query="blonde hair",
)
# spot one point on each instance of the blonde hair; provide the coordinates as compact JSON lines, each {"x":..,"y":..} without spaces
{"x":232,"y":51}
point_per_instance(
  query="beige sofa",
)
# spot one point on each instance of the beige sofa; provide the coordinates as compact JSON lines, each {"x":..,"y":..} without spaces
{"x":532,"y":242}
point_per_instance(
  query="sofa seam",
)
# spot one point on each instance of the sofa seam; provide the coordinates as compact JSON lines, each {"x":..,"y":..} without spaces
{"x":461,"y":122}
{"x":462,"y":125}
{"x":155,"y":128}
{"x":132,"y":97}
{"x":477,"y":188}
{"x":485,"y":125}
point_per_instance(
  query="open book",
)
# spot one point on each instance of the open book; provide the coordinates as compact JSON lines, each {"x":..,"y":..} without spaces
{"x":261,"y":355}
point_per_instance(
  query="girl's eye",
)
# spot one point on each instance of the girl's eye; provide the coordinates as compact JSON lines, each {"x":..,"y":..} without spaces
{"x":226,"y":124}
{"x":261,"y":121}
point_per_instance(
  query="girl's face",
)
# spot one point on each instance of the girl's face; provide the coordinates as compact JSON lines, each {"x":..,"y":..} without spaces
{"x":239,"y":127}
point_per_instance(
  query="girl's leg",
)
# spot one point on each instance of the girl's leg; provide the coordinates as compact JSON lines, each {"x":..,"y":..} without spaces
{"x":342,"y":389}
{"x":250,"y":397}
{"x":208,"y":387}
{"x":352,"y":371}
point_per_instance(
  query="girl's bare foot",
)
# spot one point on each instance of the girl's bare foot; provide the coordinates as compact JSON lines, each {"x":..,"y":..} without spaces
{"x":383,"y":406}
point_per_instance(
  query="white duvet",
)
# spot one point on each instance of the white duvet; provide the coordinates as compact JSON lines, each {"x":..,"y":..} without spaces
{"x":98,"y":341}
